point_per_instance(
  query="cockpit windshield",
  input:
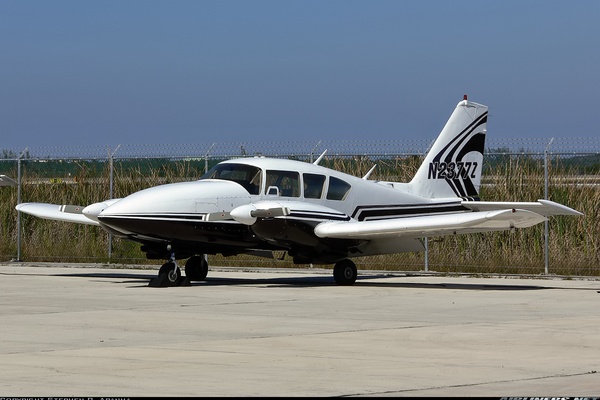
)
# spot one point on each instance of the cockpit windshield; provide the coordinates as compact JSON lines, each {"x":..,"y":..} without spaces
{"x":249,"y":176}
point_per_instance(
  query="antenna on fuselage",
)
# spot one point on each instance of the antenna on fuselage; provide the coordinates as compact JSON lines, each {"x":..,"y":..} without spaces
{"x":318,"y":160}
{"x":369,"y":173}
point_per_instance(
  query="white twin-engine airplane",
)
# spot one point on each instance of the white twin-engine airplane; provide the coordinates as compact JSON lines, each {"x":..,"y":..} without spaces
{"x":318,"y":215}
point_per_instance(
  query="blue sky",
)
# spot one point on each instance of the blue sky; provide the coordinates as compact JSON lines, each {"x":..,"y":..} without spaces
{"x":155,"y":72}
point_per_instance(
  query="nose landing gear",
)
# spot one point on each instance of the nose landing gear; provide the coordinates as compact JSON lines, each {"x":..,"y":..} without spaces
{"x":196,"y":269}
{"x":169,"y":275}
{"x":171,"y":272}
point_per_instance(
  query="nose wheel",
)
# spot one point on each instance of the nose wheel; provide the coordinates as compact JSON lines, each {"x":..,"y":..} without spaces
{"x":170,"y":272}
{"x":168,"y":275}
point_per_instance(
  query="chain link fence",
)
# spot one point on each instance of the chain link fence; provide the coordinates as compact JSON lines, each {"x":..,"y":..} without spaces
{"x":565,"y":170}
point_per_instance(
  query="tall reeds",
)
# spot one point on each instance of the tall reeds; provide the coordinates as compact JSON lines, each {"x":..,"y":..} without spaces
{"x":574,"y":242}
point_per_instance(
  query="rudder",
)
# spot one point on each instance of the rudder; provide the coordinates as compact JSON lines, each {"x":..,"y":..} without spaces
{"x":453,"y":165}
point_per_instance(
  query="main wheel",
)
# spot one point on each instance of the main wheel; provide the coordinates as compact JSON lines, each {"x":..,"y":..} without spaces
{"x":196,"y":268}
{"x":345,"y":273}
{"x":171,"y":272}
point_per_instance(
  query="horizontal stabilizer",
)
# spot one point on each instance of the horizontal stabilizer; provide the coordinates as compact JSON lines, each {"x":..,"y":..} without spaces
{"x":68,"y":213}
{"x":542,"y":207}
{"x":431,"y":225}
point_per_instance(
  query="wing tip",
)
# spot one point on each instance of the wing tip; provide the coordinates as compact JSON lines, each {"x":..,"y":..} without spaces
{"x":559,"y":209}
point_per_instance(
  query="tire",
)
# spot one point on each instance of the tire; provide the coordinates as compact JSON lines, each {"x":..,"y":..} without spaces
{"x":170,"y":272}
{"x":196,"y":268}
{"x":345,"y":273}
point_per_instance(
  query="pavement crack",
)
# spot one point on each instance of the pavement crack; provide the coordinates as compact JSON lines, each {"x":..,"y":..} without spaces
{"x":535,"y":378}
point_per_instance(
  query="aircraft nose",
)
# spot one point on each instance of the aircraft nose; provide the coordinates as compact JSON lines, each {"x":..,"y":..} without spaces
{"x":183,"y":198}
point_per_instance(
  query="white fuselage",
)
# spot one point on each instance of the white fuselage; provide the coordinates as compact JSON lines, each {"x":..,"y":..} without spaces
{"x":215,"y":210}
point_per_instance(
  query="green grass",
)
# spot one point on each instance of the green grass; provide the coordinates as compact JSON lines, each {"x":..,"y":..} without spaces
{"x":574,"y":242}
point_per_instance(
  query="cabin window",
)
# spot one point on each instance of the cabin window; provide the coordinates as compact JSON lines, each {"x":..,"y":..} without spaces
{"x":248,"y":176}
{"x":288,"y":182}
{"x":338,"y":189}
{"x":313,"y":185}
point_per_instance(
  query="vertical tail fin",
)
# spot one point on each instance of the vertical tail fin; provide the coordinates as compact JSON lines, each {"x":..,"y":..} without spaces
{"x":452,"y":167}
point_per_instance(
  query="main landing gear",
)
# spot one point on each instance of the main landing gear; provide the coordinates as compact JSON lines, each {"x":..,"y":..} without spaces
{"x":345,"y":273}
{"x":196,"y":269}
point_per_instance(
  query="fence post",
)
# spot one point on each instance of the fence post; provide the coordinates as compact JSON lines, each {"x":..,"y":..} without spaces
{"x":312,"y":152}
{"x":111,"y":157}
{"x":426,"y":254}
{"x":19,"y":202}
{"x":206,"y":157}
{"x":546,"y":233}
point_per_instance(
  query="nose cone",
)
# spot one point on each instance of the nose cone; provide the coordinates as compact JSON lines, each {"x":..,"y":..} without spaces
{"x":93,"y":210}
{"x":243,"y":214}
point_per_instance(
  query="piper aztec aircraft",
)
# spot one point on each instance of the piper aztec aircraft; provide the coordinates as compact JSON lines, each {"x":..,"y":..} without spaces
{"x":315,"y":214}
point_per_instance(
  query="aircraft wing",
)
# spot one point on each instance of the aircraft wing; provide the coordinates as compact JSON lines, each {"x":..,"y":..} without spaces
{"x":6,"y":181}
{"x":430,"y":225}
{"x":68,"y":213}
{"x":542,"y":207}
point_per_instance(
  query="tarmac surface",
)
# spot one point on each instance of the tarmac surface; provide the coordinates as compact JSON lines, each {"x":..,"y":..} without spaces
{"x":80,"y":330}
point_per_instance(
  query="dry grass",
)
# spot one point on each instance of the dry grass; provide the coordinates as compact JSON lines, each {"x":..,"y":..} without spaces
{"x":574,"y":242}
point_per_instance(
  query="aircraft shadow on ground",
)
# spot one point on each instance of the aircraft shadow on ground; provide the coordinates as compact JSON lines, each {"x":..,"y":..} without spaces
{"x":307,"y":281}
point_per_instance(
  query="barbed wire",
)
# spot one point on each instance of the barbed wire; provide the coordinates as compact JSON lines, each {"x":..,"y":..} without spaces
{"x":301,"y":148}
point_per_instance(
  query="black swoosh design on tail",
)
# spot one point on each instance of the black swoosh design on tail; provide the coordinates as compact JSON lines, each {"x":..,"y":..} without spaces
{"x":465,"y":142}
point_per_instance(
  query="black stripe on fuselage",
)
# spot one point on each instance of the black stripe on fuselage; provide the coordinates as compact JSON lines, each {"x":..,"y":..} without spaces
{"x":363,"y":213}
{"x":319,"y":215}
{"x":186,"y":217}
{"x":182,"y":228}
